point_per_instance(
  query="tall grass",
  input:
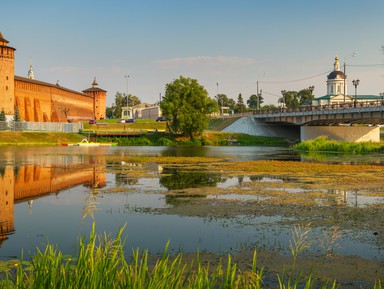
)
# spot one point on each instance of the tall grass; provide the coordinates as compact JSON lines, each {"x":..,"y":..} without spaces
{"x":322,"y":144}
{"x":101,"y":263}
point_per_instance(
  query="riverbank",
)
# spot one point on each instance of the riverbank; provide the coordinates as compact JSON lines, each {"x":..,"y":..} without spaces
{"x":150,"y":139}
{"x":38,"y":138}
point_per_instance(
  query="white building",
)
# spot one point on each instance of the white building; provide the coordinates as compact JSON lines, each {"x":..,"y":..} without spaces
{"x":337,"y":93}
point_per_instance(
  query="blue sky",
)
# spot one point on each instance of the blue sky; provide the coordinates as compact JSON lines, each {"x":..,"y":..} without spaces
{"x":282,"y":44}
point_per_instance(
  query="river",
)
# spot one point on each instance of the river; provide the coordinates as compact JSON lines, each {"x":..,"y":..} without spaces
{"x":55,"y":193}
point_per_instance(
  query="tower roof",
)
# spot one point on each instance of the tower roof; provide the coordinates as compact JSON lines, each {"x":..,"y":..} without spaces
{"x":336,"y":73}
{"x":3,"y":41}
{"x":94,"y":88}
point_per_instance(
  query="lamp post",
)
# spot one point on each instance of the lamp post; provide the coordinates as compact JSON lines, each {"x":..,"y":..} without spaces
{"x":355,"y":84}
{"x":127,"y":76}
{"x":345,"y":75}
{"x":382,"y":97}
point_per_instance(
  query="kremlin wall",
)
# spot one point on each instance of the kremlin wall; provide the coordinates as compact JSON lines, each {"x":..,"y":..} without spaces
{"x":39,"y":101}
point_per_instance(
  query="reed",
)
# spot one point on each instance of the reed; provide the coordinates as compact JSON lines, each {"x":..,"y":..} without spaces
{"x":322,"y":144}
{"x":101,"y":263}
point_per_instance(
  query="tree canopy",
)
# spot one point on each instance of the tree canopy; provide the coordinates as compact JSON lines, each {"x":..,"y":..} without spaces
{"x":253,"y":101}
{"x":240,"y":106}
{"x":293,"y":99}
{"x":224,"y":101}
{"x":186,"y":106}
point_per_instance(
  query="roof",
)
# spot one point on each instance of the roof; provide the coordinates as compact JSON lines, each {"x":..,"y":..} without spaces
{"x":94,"y":89}
{"x":24,"y":79}
{"x":358,"y":97}
{"x":335,"y":73}
{"x":2,"y":39}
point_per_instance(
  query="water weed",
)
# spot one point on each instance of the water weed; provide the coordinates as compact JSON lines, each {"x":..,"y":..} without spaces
{"x":101,"y":263}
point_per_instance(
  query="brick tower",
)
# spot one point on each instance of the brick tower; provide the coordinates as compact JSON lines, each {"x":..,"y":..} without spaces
{"x":99,"y":99}
{"x":7,"y":77}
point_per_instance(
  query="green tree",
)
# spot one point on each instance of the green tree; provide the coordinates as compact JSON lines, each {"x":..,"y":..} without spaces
{"x":224,"y":101}
{"x":133,"y":100}
{"x":240,"y":106}
{"x":16,"y":121}
{"x":253,"y":101}
{"x":2,"y":115}
{"x":3,"y":120}
{"x":109,"y":112}
{"x":186,"y":106}
{"x":269,"y":107}
{"x":306,"y":95}
{"x":118,"y":105}
{"x":290,"y":99}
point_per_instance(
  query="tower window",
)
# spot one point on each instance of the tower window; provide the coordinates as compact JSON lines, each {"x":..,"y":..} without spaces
{"x":6,"y":88}
{"x":6,"y":78}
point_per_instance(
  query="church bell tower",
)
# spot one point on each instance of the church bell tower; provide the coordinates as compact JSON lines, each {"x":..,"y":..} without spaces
{"x":7,"y":77}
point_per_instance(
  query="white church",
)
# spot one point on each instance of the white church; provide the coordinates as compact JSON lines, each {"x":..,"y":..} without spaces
{"x":337,"y":93}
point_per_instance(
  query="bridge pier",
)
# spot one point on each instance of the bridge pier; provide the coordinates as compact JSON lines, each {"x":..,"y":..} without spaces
{"x":341,"y":133}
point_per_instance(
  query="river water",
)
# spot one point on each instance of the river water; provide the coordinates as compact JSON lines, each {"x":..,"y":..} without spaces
{"x":55,"y":194}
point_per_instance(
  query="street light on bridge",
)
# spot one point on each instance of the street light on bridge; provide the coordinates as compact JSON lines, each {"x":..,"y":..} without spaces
{"x":382,"y":97}
{"x":355,"y":84}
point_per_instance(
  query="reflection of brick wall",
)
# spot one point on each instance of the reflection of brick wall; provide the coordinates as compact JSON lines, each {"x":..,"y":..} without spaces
{"x":6,"y":201}
{"x":32,"y":181}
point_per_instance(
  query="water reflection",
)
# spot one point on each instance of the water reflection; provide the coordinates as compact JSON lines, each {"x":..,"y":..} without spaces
{"x":178,"y":179}
{"x":37,"y":177}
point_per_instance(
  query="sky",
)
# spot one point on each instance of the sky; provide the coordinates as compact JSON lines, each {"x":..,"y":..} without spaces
{"x":227,"y":45}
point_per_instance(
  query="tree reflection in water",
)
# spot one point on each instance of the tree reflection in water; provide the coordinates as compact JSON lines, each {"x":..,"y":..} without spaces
{"x":177,"y":179}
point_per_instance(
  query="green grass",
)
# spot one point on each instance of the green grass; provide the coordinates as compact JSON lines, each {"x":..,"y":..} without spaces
{"x":101,"y":263}
{"x":321,"y":144}
{"x":38,"y":138}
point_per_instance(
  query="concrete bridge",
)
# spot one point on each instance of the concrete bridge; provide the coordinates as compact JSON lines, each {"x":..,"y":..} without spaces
{"x":343,"y":122}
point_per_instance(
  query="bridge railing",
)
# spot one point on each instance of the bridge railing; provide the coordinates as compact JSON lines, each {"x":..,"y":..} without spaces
{"x":309,"y":108}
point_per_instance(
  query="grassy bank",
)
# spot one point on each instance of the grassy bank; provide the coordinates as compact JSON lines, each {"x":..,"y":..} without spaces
{"x":38,"y":138}
{"x":209,"y":138}
{"x":101,"y":263}
{"x":150,"y":139}
{"x":321,"y":144}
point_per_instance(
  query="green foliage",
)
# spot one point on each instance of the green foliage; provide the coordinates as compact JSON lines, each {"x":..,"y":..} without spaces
{"x":290,"y":99}
{"x":293,"y":99}
{"x":3,"y":121}
{"x":118,"y":105}
{"x":2,"y":115}
{"x":240,"y":106}
{"x":255,"y":101}
{"x":186,"y":105}
{"x":305,"y":95}
{"x":223,"y":100}
{"x":101,"y":263}
{"x":16,"y":116}
{"x":269,"y":107}
{"x":322,"y":144}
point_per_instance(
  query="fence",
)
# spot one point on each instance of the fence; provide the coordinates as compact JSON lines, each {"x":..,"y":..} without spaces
{"x":41,"y":126}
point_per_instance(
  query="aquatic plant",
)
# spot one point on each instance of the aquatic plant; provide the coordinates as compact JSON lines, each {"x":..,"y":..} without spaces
{"x":322,"y":144}
{"x":101,"y":263}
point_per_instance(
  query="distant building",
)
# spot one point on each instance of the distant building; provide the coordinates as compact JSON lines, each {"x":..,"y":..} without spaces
{"x":39,"y":101}
{"x":337,"y":93}
{"x":142,"y":110}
